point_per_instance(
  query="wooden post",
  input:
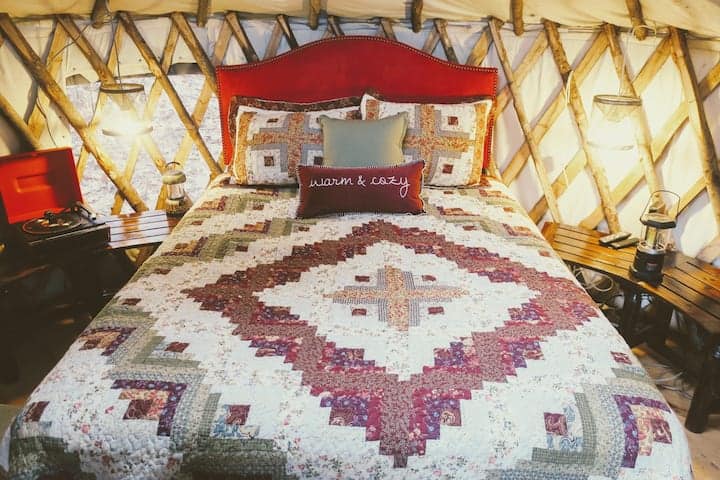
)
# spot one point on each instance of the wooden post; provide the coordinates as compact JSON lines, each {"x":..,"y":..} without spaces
{"x":274,"y":43}
{"x":636,"y":17}
{"x":495,"y":25}
{"x":643,"y":137}
{"x":581,"y":121}
{"x":241,"y":37}
{"x":14,"y":118}
{"x":334,"y":26}
{"x":416,"y":15}
{"x":387,"y":28}
{"x":37,"y":69}
{"x":99,"y":13}
{"x":172,"y":94}
{"x":203,"y":11}
{"x":480,"y":49}
{"x":203,"y":62}
{"x":516,"y":13}
{"x":37,"y":121}
{"x":282,"y":20}
{"x":698,"y":119}
{"x":314,"y":14}
{"x":441,"y":27}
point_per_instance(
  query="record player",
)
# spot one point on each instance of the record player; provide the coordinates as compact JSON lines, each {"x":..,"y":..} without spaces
{"x":43,"y":203}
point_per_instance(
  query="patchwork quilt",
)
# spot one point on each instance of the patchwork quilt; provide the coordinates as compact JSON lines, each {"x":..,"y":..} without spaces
{"x":453,"y":344}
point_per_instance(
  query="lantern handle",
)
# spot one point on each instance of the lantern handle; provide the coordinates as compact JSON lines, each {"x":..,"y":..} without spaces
{"x":662,"y":191}
{"x":172,"y":163}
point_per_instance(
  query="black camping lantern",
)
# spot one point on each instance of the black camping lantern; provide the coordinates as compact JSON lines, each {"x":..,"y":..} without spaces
{"x":658,"y":219}
{"x":177,"y":202}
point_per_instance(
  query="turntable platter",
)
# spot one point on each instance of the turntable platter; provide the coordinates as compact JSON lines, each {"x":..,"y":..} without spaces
{"x":52,"y":224}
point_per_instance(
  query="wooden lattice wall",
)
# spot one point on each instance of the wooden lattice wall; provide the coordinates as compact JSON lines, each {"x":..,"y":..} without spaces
{"x":674,"y":46}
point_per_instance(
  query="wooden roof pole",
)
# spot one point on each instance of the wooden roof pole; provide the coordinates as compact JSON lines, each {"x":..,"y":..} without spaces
{"x":221,"y":45}
{"x":698,"y":119}
{"x":334,"y":26}
{"x":636,"y":17}
{"x":386,"y":25}
{"x":495,"y":25}
{"x":282,"y":20}
{"x":480,"y":49}
{"x":203,"y":12}
{"x":416,"y":15}
{"x":193,"y":44}
{"x":314,"y":14}
{"x":273,"y":44}
{"x":581,"y":120}
{"x":55,"y":93}
{"x":516,"y":13}
{"x":99,"y":13}
{"x":172,"y":94}
{"x":14,"y":118}
{"x":441,"y":27}
{"x":37,"y":121}
{"x":643,"y":136}
{"x":241,"y":37}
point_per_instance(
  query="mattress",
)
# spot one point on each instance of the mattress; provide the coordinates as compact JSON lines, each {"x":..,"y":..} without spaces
{"x":452,"y":344}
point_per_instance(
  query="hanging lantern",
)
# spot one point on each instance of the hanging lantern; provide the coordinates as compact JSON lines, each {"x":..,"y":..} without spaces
{"x":658,"y":219}
{"x":177,"y":202}
{"x":611,"y":125}
{"x":119,"y":117}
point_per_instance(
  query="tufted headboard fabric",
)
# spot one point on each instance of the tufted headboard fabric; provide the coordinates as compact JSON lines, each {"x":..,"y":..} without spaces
{"x":350,"y":66}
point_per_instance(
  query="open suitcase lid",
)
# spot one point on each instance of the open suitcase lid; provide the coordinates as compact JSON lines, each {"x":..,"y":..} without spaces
{"x":34,"y":182}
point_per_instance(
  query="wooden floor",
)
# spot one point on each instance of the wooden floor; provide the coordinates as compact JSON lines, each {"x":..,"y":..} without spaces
{"x":38,"y":348}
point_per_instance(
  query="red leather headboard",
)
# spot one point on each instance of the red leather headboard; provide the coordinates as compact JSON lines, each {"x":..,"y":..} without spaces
{"x":350,"y":66}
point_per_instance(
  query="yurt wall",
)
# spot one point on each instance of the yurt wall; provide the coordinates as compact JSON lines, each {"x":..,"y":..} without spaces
{"x":549,"y":74}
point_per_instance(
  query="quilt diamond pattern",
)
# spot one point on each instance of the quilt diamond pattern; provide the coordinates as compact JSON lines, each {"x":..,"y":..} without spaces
{"x":453,"y":344}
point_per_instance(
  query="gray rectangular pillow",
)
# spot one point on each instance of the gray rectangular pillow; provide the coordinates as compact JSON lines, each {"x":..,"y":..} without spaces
{"x":363,"y":143}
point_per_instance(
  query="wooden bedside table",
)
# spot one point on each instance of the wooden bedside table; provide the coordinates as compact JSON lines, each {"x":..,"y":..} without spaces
{"x":689,"y":286}
{"x":133,"y":230}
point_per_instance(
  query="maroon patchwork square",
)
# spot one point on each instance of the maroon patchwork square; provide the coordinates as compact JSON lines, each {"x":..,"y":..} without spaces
{"x":359,"y":312}
{"x":237,"y":414}
{"x":436,"y":310}
{"x":269,"y":161}
{"x":429,"y":278}
{"x":453,"y":120}
{"x":241,"y":248}
{"x":341,"y":416}
{"x":303,"y":228}
{"x":469,"y":227}
{"x":34,"y":411}
{"x":138,"y":409}
{"x":556,"y":423}
{"x":362,"y":278}
{"x":177,"y":347}
{"x":318,"y":160}
{"x":620,"y":357}
{"x":450,"y":416}
{"x":447,"y":168}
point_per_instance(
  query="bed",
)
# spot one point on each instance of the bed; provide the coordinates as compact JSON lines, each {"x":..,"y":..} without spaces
{"x":253,"y":344}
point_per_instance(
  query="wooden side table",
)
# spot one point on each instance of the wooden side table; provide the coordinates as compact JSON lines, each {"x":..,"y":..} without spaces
{"x":134,"y":230}
{"x":689,"y":286}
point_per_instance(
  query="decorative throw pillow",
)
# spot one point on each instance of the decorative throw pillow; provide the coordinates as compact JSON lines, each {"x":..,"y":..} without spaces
{"x":452,"y":139}
{"x":269,"y":145}
{"x":363,"y":143}
{"x":325,"y":190}
{"x":239,"y":104}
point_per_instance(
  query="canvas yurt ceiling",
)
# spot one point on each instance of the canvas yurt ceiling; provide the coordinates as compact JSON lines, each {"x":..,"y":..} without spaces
{"x":553,"y":57}
{"x":698,"y":16}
